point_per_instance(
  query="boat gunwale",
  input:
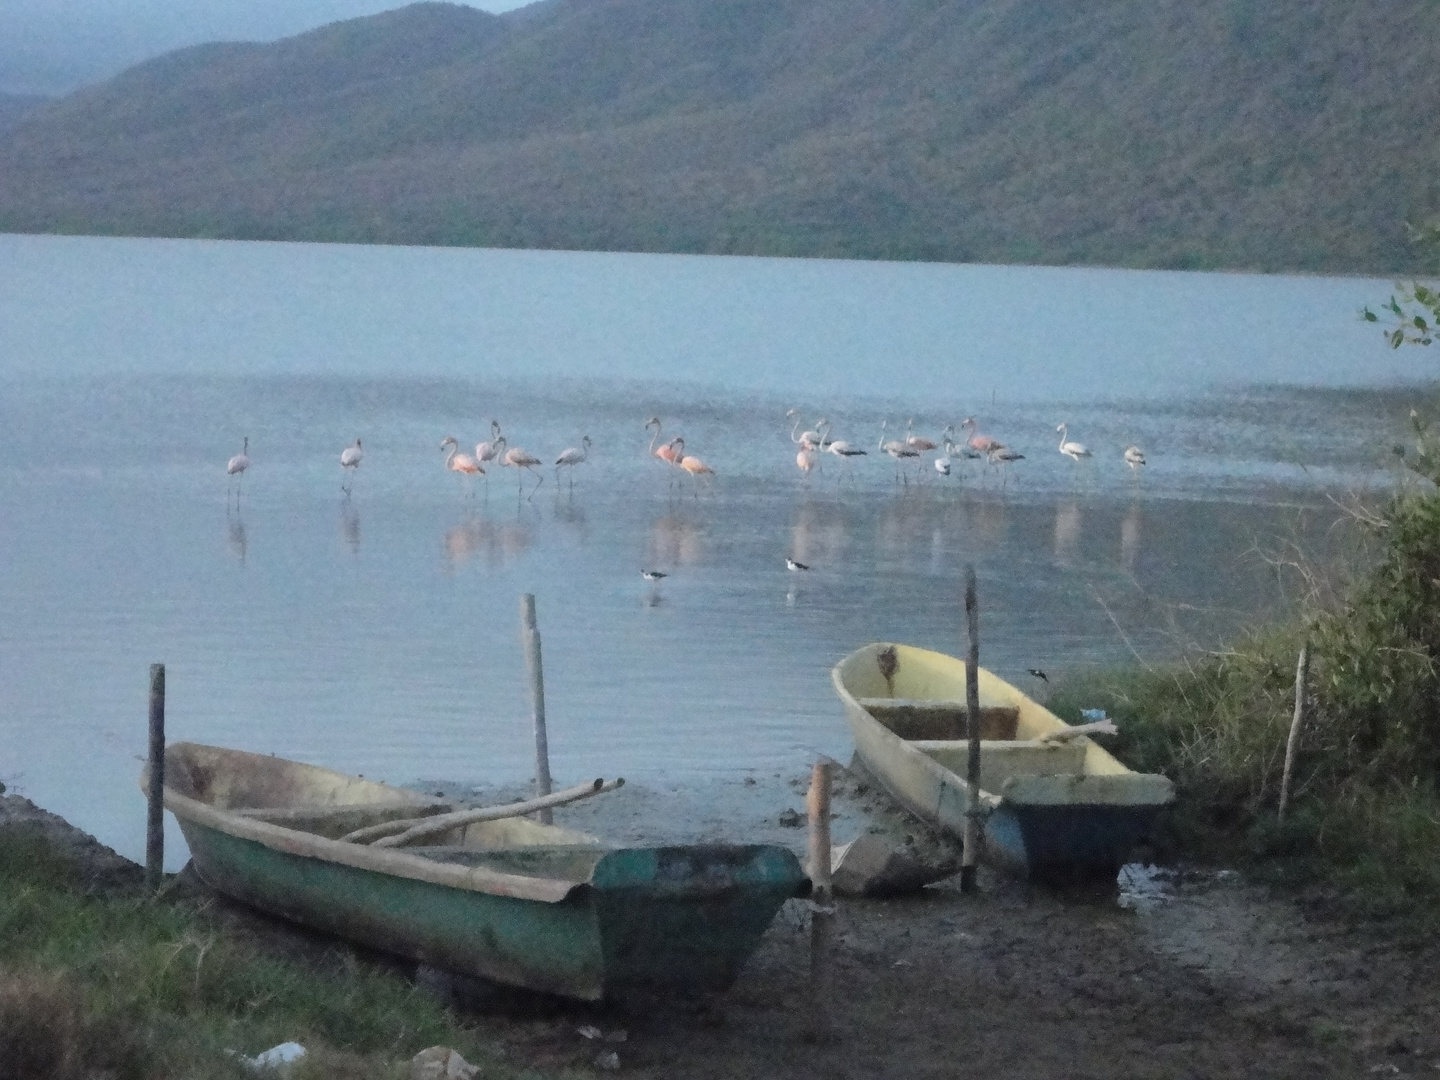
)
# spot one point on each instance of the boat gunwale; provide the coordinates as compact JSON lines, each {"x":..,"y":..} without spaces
{"x":392,"y":861}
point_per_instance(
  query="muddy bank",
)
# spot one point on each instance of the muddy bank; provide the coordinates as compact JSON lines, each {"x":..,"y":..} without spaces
{"x":1205,"y":975}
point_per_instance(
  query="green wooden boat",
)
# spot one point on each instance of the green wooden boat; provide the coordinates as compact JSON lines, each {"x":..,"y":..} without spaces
{"x":531,"y":905}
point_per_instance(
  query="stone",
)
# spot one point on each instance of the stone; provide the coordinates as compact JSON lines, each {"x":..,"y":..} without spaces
{"x":872,"y":865}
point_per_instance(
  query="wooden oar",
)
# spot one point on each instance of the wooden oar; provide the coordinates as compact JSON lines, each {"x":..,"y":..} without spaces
{"x":408,"y":829}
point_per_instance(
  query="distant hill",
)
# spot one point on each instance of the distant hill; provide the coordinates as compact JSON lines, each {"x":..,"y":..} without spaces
{"x":14,"y":106}
{"x":1151,"y":133}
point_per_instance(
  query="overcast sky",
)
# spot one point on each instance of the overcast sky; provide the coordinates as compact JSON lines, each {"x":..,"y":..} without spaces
{"x":53,"y":46}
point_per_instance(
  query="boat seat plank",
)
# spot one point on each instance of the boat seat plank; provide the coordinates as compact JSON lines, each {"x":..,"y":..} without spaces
{"x":1001,"y":761}
{"x":935,"y":719}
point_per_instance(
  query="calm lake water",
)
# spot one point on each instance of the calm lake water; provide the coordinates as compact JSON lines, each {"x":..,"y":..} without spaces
{"x":378,"y":632}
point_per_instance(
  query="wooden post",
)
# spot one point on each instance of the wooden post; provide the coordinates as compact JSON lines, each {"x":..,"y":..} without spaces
{"x":531,"y":634}
{"x":1302,"y":671}
{"x":155,"y":821}
{"x":970,"y":857}
{"x":822,"y":907}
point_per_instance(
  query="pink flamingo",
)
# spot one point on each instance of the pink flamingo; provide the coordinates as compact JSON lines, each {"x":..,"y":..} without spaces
{"x":666,"y":453}
{"x":1073,"y":450}
{"x":691,"y":464}
{"x":983,"y":444}
{"x":463,"y":464}
{"x":520,"y":459}
{"x":807,"y":459}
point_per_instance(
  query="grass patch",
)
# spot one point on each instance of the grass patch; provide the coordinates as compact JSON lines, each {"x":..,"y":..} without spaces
{"x":122,"y":985}
{"x":1363,"y":823}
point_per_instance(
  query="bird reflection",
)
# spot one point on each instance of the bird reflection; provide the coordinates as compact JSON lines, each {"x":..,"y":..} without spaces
{"x":674,"y":541}
{"x":350,"y":526}
{"x":476,"y":536}
{"x":1067,"y":530}
{"x":1130,"y":537}
{"x":818,"y":533}
{"x":238,"y":539}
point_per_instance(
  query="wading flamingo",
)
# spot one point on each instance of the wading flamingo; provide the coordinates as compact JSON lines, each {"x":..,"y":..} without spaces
{"x":1073,"y":450}
{"x":807,"y":440}
{"x":917,"y":442}
{"x":897,"y":450}
{"x":666,"y":453}
{"x":521,"y":459}
{"x":691,"y":464}
{"x":982,"y":444}
{"x":460,"y":463}
{"x":237,"y":465}
{"x":350,"y":459}
{"x":1134,"y":458}
{"x":807,"y":459}
{"x":1003,"y":455}
{"x":570,"y":458}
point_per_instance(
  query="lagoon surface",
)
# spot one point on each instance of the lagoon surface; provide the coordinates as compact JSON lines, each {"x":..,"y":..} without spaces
{"x":377,"y":632}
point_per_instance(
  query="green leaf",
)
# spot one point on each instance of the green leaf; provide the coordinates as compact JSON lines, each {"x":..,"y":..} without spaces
{"x":1369,"y":315}
{"x":1397,"y":338}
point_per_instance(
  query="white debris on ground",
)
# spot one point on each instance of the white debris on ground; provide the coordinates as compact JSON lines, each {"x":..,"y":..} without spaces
{"x":441,"y":1063}
{"x":277,"y":1057}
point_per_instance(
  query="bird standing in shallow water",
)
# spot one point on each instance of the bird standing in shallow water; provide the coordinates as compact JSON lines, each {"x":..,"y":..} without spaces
{"x":570,"y":458}
{"x":1133,"y":457}
{"x":791,"y":564}
{"x":521,"y":459}
{"x":350,"y":459}
{"x":237,"y":465}
{"x":460,"y":463}
{"x":653,"y":575}
{"x":1073,"y":450}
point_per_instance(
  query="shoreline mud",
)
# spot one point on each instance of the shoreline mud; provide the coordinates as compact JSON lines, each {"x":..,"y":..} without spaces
{"x":1205,"y":975}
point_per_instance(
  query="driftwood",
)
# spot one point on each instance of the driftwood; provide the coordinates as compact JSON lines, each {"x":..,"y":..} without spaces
{"x":407,"y":831}
{"x":1097,"y":727}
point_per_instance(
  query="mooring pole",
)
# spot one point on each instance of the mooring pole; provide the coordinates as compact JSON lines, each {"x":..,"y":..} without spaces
{"x":155,"y":797}
{"x":1302,"y":671}
{"x":822,"y":906}
{"x":970,"y":857}
{"x":531,"y":634}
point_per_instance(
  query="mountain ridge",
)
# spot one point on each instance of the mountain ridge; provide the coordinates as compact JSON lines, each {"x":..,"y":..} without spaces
{"x":1220,"y":133}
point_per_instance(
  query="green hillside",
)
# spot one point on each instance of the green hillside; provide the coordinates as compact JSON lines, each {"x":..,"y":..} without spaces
{"x":1212,"y":133}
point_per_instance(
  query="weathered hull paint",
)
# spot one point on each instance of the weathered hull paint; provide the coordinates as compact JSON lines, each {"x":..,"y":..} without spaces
{"x":1050,"y":827}
{"x":585,"y":921}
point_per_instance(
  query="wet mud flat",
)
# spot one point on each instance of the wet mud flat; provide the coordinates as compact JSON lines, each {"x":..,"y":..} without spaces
{"x":1175,"y":973}
{"x":1197,"y":974}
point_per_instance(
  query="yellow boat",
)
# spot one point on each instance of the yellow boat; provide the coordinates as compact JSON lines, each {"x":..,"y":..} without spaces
{"x":1056,"y":804}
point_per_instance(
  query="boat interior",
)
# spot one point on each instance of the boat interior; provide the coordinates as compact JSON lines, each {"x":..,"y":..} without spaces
{"x":324,"y":803}
{"x":920,"y":696}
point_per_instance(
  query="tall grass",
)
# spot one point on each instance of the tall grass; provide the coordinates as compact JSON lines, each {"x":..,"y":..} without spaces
{"x":123,"y":985}
{"x":1364,"y":816}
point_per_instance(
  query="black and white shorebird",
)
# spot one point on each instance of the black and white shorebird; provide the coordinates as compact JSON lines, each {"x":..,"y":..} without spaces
{"x":791,"y":564}
{"x":653,"y":575}
{"x":1038,"y":674}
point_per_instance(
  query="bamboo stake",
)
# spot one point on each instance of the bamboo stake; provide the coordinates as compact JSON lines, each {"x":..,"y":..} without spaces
{"x":413,"y":829}
{"x":155,"y":818}
{"x":822,"y":908}
{"x":530,"y":632}
{"x":1302,"y":671}
{"x":970,"y":857}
